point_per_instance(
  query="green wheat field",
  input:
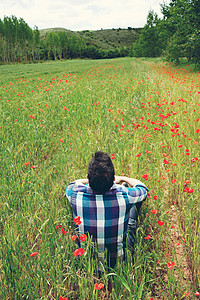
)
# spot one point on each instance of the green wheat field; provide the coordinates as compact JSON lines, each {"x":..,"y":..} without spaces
{"x":53,"y":117}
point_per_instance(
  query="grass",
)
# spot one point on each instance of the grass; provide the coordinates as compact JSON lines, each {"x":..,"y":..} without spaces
{"x":53,"y":117}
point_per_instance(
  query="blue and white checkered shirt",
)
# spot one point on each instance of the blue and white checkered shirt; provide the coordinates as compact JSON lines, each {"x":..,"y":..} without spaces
{"x":105,"y":217}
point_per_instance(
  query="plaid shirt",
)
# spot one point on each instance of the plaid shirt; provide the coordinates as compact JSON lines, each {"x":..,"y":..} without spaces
{"x":105,"y":217}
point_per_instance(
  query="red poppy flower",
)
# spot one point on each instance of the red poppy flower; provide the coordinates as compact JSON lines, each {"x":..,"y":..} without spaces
{"x":64,"y":231}
{"x":196,"y":294}
{"x":148,"y":237}
{"x":165,"y":162}
{"x":83,"y":237}
{"x":145,"y":176}
{"x":58,"y":226}
{"x":171,"y":265}
{"x":79,"y":252}
{"x":33,"y":254}
{"x":33,"y":167}
{"x":73,"y":237}
{"x":77,"y":220}
{"x":155,"y":197}
{"x":27,"y":163}
{"x":160,"y":223}
{"x":98,"y":286}
{"x":63,"y":298}
{"x":186,"y":182}
{"x":172,"y":226}
{"x":189,"y":190}
{"x":184,"y":240}
{"x":154,"y":211}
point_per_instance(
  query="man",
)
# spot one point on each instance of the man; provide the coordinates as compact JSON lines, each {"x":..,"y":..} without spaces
{"x":106,"y":208}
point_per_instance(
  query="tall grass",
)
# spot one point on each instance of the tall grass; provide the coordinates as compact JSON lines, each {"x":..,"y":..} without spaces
{"x":53,"y":117}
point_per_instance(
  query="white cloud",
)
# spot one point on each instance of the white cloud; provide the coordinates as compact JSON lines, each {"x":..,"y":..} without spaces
{"x":81,"y":14}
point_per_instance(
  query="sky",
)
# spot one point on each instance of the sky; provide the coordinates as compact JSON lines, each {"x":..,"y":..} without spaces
{"x":81,"y":14}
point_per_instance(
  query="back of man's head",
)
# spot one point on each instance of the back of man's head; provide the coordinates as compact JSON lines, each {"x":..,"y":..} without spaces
{"x":101,"y":172}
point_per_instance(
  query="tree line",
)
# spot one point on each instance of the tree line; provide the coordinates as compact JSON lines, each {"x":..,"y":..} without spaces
{"x":174,"y":36}
{"x":19,"y":43}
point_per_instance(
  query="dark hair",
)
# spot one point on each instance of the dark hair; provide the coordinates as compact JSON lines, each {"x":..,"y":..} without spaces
{"x":101,"y":172}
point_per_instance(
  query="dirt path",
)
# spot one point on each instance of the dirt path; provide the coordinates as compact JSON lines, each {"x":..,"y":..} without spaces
{"x":180,"y":255}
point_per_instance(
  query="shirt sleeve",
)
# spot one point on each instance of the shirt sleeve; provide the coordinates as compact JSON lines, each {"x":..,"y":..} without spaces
{"x":69,"y":191}
{"x":137,"y":193}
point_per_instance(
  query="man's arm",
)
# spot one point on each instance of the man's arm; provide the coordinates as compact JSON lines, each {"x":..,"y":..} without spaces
{"x":131,"y":181}
{"x":137,"y":191}
{"x":83,"y":181}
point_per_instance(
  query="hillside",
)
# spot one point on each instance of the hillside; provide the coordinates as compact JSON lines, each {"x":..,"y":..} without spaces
{"x":105,"y":38}
{"x":111,"y":38}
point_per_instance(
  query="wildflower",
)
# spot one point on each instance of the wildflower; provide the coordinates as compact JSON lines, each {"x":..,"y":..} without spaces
{"x":58,"y":226}
{"x":79,"y":252}
{"x":184,"y":240}
{"x":173,"y":180}
{"x":186,"y":294}
{"x":98,"y":286}
{"x":63,"y":298}
{"x":155,"y":197}
{"x":73,"y":237}
{"x":27,"y":163}
{"x":186,"y":182}
{"x":160,"y":223}
{"x":154,"y":211}
{"x":33,"y":254}
{"x":171,"y":265}
{"x":193,"y":159}
{"x":189,"y":190}
{"x":148,"y":237}
{"x":165,"y":162}
{"x":83,"y":237}
{"x":145,"y":176}
{"x":63,"y":231}
{"x":172,"y":226}
{"x":138,"y":155}
{"x":196,"y":294}
{"x":61,"y":140}
{"x":77,"y":220}
{"x":33,"y":167}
